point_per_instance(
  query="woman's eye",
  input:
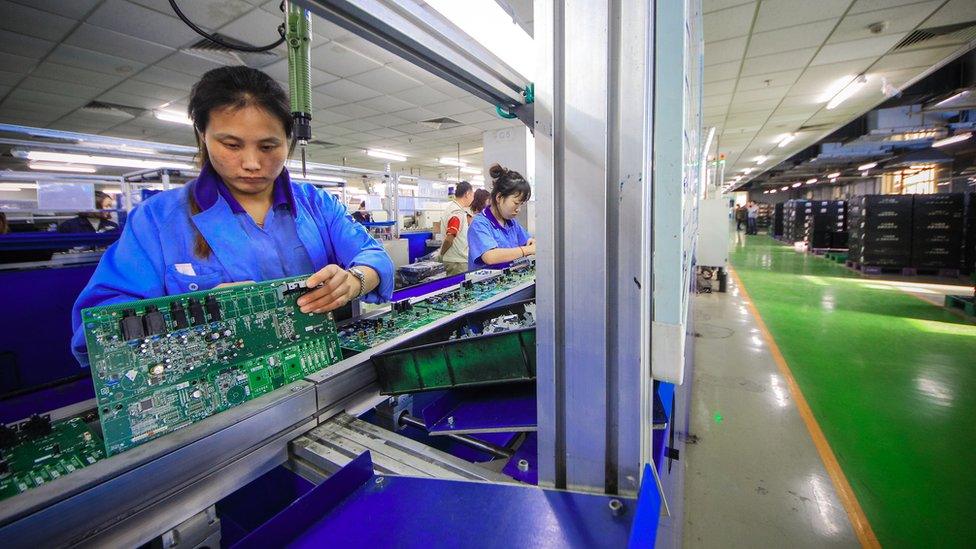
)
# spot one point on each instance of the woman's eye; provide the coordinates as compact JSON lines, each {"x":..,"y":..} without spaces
{"x":268,"y":148}
{"x":232,"y":146}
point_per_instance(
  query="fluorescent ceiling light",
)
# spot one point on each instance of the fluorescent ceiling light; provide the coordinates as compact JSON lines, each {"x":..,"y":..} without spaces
{"x":836,"y":87}
{"x":784,"y":188}
{"x":475,"y":171}
{"x":408,"y":177}
{"x":173,"y":116}
{"x":773,"y":191}
{"x":60,"y":167}
{"x":795,"y":185}
{"x":811,"y":181}
{"x":950,"y":140}
{"x":760,"y":159}
{"x":867,"y":166}
{"x":847,"y":92}
{"x":747,"y":171}
{"x":954,"y":97}
{"x":387,"y":155}
{"x":452,"y":162}
{"x":106,"y":160}
{"x":833,"y":179}
{"x":786,"y":140}
{"x":414,"y":188}
{"x":834,"y":175}
{"x":490,"y":25}
{"x":323,"y":178}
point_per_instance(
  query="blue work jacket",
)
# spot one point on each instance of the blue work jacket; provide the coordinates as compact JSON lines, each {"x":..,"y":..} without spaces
{"x":156,"y":250}
{"x":487,"y":233}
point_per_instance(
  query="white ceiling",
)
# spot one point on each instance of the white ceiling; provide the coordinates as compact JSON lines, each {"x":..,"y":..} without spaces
{"x":56,"y":56}
{"x":768,"y":62}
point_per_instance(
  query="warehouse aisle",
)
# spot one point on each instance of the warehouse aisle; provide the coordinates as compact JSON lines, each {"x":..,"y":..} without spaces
{"x":890,"y":380}
{"x":753,"y":476}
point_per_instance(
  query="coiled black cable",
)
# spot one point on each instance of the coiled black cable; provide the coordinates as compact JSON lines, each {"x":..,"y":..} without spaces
{"x":219,"y":42}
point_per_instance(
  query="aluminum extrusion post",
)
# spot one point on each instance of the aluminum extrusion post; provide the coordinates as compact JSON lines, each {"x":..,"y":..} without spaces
{"x":298,"y":36}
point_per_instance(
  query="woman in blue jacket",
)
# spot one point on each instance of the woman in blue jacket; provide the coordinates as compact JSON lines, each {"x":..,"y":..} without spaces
{"x":242,"y":219}
{"x":495,"y":238}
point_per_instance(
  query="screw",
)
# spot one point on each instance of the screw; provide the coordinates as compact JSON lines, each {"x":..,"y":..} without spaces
{"x":379,"y":480}
{"x":450,"y":421}
{"x":616,"y":507}
{"x":523,"y":465}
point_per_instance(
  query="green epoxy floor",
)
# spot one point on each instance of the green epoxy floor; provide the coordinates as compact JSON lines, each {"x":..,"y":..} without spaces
{"x":891,"y":380}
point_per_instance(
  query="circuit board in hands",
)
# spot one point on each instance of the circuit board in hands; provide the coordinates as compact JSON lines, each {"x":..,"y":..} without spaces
{"x":40,"y":451}
{"x":162,"y":364}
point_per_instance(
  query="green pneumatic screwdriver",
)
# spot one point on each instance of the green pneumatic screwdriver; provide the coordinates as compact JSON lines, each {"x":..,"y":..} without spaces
{"x":298,"y":35}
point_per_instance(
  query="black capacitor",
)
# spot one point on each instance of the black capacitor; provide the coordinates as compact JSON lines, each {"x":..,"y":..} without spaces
{"x":196,"y":311}
{"x":131,"y":325}
{"x":178,"y":315}
{"x":8,"y":437}
{"x":213,"y":308}
{"x":467,"y":284}
{"x":37,"y":426}
{"x":153,"y":321}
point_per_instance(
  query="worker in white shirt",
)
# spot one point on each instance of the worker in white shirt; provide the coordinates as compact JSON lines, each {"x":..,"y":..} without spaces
{"x":454,"y":228}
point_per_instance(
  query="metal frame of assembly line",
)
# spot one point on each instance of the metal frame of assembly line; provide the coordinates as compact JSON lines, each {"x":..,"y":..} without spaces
{"x":615,"y":119}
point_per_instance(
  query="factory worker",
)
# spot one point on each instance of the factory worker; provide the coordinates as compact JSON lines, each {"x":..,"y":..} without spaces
{"x":495,"y":238}
{"x":242,"y":219}
{"x":454,"y":229}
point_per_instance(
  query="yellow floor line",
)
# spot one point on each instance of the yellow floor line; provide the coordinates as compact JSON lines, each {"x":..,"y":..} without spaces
{"x":865,"y":534}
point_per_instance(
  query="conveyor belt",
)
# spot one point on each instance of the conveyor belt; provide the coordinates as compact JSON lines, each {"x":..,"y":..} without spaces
{"x":333,"y":444}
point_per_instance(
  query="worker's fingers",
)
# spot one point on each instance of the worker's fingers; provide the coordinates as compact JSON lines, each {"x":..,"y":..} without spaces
{"x":333,"y":305}
{"x":322,"y":301}
{"x":323,"y":275}
{"x":531,"y":242}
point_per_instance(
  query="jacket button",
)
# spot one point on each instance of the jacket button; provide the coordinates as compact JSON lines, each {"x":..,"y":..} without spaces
{"x":193,"y":287}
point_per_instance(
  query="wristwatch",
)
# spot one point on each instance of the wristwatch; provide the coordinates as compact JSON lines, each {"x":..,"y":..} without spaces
{"x":362,"y":280}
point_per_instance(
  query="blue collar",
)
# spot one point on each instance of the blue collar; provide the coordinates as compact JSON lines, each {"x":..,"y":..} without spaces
{"x":491,"y":218}
{"x":209,"y":186}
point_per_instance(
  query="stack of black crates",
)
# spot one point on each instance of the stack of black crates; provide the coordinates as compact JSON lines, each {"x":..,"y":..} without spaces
{"x":880,"y":229}
{"x":826,"y":225}
{"x":795,"y":219}
{"x":777,"y":226}
{"x":938,"y":226}
{"x":765,"y":216}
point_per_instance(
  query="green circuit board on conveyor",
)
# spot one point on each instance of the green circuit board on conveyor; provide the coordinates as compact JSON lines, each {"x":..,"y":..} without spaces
{"x":41,"y":451}
{"x":162,"y":364}
{"x":406,"y":317}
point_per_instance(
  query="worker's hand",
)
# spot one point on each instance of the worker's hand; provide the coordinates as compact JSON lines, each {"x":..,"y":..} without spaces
{"x":241,"y":283}
{"x":530,"y":242}
{"x":529,"y":248}
{"x":338,"y":288}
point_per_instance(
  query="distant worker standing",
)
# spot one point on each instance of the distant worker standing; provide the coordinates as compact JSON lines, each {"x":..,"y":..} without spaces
{"x":454,"y":228}
{"x":740,"y":217}
{"x":752,"y":212}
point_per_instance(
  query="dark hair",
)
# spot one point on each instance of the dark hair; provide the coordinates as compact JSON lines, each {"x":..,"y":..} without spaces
{"x":362,"y":204}
{"x":462,"y":189}
{"x":480,"y":200}
{"x":99,"y":198}
{"x":236,"y":88}
{"x":506,"y":182}
{"x":4,"y":228}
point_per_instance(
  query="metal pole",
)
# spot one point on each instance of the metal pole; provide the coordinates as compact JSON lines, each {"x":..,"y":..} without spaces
{"x":471,"y":442}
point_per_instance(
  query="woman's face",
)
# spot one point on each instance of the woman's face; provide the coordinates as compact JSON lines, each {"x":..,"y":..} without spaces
{"x":509,"y":206}
{"x":247,"y":146}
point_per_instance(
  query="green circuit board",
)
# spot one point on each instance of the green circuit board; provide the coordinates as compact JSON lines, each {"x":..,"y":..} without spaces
{"x":162,"y":364}
{"x":28,"y":460}
{"x":367,"y":333}
{"x":364,"y":334}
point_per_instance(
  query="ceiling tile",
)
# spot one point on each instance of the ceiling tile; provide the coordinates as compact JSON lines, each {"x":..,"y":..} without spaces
{"x":790,"y":38}
{"x":347,"y":90}
{"x":774,"y":92}
{"x":861,"y":6}
{"x":258,"y":28}
{"x":117,"y":44}
{"x":324,"y":101}
{"x":722,"y":87}
{"x":776,"y":14}
{"x":23,"y":45}
{"x":279,"y":71}
{"x":451,"y":107}
{"x":208,"y":14}
{"x":728,"y":23}
{"x":334,"y":58}
{"x":385,"y":79}
{"x":27,"y":20}
{"x":364,"y":47}
{"x":898,"y":20}
{"x":162,"y":94}
{"x":129,"y":100}
{"x":955,"y":11}
{"x":725,"y":71}
{"x":873,"y":47}
{"x":325,"y":118}
{"x":387,"y":103}
{"x":422,"y":96}
{"x":166,"y":77}
{"x":475,"y":117}
{"x":716,"y":100}
{"x":48,"y":85}
{"x":15,"y":63}
{"x":723,"y":51}
{"x":8,"y":78}
{"x":143,"y":22}
{"x":94,"y":61}
{"x":795,"y":59}
{"x":357,"y":125}
{"x":75,"y":9}
{"x":188,"y":64}
{"x":47,"y":99}
{"x":355,"y":110}
{"x":68,"y":73}
{"x":416,"y":114}
{"x":709,"y":6}
{"x":917,"y":58}
{"x":386,"y":120}
{"x":816,"y":80}
{"x":387,"y":133}
{"x":769,"y":79}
